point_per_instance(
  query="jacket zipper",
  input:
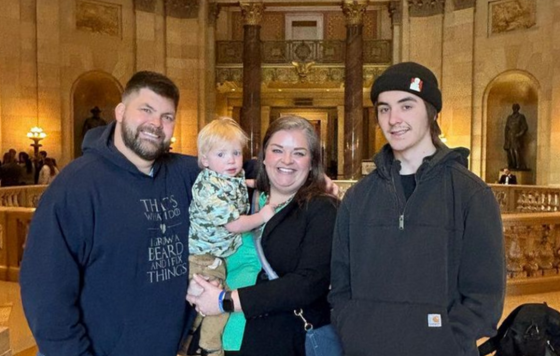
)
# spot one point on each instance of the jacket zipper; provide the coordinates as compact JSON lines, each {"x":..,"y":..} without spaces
{"x":401,"y":216}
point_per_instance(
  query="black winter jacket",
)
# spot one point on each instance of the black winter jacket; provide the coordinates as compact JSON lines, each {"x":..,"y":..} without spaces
{"x":423,"y":277}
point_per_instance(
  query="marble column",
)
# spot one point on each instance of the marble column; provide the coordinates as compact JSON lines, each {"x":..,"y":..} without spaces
{"x":251,"y":111}
{"x":395,"y":11}
{"x":208,"y":68}
{"x":353,"y":89}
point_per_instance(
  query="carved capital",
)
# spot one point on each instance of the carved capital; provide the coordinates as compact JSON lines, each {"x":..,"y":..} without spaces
{"x":145,"y":5}
{"x":213,"y":13}
{"x":424,"y":8}
{"x":395,"y":11}
{"x":354,"y":12}
{"x":252,"y":13}
{"x":182,"y":9}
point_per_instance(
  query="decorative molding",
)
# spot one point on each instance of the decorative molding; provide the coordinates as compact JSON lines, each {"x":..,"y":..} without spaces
{"x":308,"y":75}
{"x":303,"y":69}
{"x":464,"y":4}
{"x":98,"y":17}
{"x":377,"y":52}
{"x":229,"y":52}
{"x":285,"y":52}
{"x":424,"y":8}
{"x":145,"y":5}
{"x":395,"y":12}
{"x":354,"y":12}
{"x":213,"y":13}
{"x":252,"y":13}
{"x":511,"y":15}
{"x":182,"y":9}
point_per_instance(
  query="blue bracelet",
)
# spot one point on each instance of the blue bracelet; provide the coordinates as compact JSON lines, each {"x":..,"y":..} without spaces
{"x":221,"y":301}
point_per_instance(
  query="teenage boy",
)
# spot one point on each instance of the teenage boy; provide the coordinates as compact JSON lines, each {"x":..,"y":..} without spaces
{"x":418,"y":256}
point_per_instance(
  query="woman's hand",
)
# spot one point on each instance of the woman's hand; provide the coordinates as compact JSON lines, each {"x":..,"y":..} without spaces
{"x":332,"y":188}
{"x":206,"y":303}
{"x":251,"y":183}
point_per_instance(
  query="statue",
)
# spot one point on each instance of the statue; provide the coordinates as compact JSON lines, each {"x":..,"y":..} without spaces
{"x":516,"y":127}
{"x":94,"y":121}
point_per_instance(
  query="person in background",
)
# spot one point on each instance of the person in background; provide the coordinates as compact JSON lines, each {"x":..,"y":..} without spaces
{"x":10,"y":171}
{"x":507,"y":177}
{"x":418,"y":264}
{"x":218,"y":213}
{"x":28,"y":172}
{"x":296,"y":242}
{"x":105,"y":266}
{"x":49,"y":172}
{"x":39,"y":162}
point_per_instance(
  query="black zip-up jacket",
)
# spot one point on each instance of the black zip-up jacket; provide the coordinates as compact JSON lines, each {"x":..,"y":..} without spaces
{"x":423,"y":277}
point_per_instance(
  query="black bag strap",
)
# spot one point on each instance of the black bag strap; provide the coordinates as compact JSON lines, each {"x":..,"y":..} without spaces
{"x":492,"y":344}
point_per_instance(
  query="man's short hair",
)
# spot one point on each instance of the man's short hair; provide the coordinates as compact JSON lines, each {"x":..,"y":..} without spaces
{"x":156,"y":82}
{"x":219,"y":131}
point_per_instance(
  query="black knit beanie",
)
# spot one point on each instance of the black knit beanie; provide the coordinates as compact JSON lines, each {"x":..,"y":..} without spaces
{"x":410,"y":77}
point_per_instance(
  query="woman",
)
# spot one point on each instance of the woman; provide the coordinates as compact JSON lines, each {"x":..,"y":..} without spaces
{"x":48,"y":172}
{"x":296,"y":243}
{"x":28,"y":176}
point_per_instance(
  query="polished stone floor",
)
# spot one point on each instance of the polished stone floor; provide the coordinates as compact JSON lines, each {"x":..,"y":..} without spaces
{"x":23,"y":344}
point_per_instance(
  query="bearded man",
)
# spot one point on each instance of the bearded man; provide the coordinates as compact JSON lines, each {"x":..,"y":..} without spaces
{"x":105,"y":265}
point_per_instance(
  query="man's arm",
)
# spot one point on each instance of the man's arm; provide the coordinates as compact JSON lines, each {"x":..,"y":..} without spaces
{"x":482,"y":274}
{"x":50,"y":276}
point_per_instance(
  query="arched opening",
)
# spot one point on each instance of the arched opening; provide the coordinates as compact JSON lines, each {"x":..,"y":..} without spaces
{"x":91,"y":91}
{"x":507,"y":89}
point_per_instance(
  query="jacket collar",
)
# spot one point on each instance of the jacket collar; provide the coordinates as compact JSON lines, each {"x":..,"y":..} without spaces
{"x":387,"y":164}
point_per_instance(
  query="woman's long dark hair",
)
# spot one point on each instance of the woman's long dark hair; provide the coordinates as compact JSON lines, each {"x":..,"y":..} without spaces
{"x":315,"y":184}
{"x":49,"y":162}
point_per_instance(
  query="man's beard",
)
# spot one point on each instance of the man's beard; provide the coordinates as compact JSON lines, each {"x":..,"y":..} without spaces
{"x":145,"y":149}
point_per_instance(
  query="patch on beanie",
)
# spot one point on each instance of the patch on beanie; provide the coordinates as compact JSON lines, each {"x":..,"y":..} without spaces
{"x":416,"y":84}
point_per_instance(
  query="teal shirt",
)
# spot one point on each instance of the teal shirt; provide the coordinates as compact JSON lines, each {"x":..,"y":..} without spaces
{"x":243,"y":268}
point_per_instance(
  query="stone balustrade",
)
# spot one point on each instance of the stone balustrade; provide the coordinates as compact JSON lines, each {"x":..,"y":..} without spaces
{"x":21,"y":196}
{"x":14,"y":226}
{"x":526,"y":198}
{"x":512,"y":198}
{"x":532,"y":234}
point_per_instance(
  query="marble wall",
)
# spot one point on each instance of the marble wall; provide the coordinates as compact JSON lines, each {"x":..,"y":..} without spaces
{"x":47,"y":46}
{"x":471,"y":46}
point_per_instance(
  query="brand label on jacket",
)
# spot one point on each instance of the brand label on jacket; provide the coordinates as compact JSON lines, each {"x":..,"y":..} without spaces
{"x":434,"y":320}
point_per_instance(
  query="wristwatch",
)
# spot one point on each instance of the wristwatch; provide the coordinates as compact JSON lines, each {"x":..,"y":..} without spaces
{"x":227,"y":303}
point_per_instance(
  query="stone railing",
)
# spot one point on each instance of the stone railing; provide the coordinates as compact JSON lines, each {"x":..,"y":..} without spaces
{"x":21,"y":196}
{"x":526,"y":198}
{"x":14,"y":226}
{"x":17,"y":205}
{"x":532,"y":245}
{"x":512,"y":198}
